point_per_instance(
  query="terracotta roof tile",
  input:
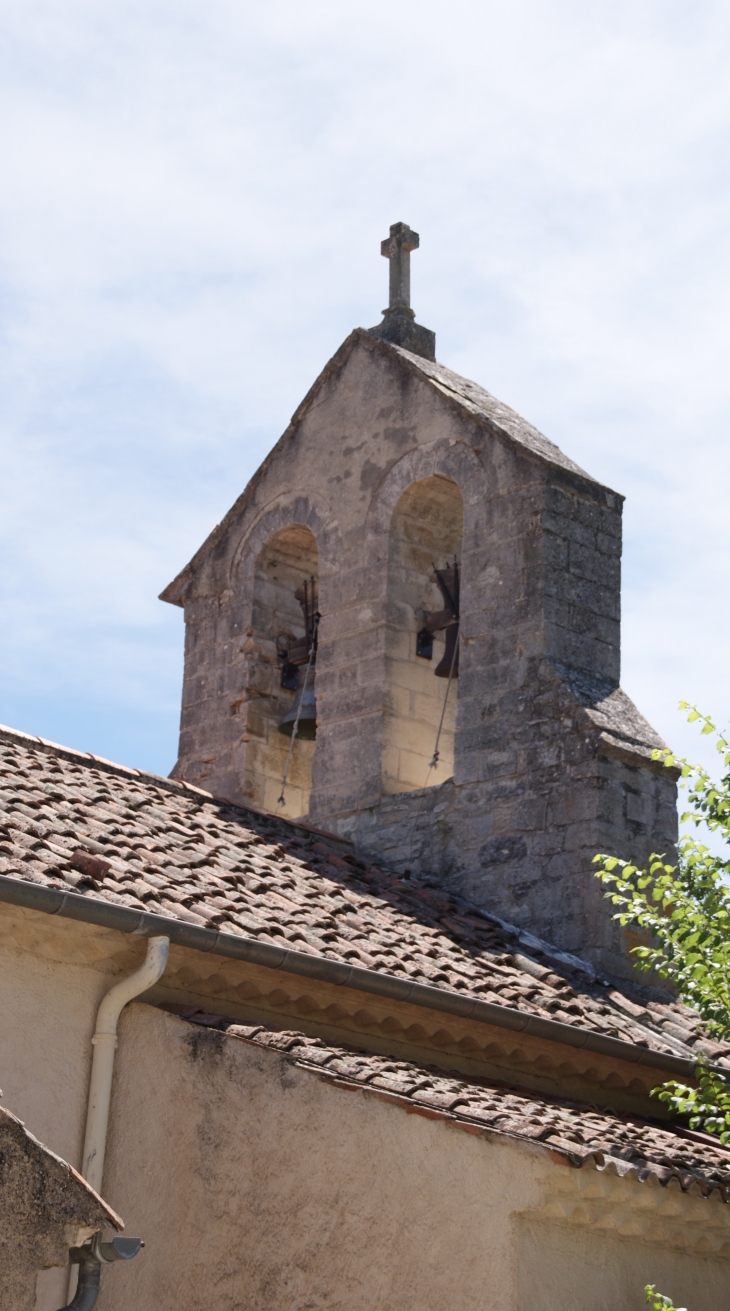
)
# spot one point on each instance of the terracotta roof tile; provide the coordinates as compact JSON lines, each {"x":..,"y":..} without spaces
{"x":579,"y":1132}
{"x":67,"y":821}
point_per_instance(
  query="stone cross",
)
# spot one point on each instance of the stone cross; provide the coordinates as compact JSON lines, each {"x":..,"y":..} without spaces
{"x":397,"y":248}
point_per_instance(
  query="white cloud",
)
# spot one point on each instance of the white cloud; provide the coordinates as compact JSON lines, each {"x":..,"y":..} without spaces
{"x":190,"y":220}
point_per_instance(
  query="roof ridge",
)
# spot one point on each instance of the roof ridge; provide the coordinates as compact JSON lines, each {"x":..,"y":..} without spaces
{"x":8,"y":734}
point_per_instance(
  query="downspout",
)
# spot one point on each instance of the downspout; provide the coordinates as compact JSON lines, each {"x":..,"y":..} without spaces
{"x":90,"y":1258}
{"x":87,"y":1288}
{"x":97,"y":1116}
{"x":102,"y":1065}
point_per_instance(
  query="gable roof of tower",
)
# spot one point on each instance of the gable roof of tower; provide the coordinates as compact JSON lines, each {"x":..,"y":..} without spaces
{"x":468,"y":398}
{"x":88,"y":831}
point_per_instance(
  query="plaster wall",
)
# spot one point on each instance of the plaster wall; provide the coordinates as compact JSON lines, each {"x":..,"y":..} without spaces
{"x":257,"y":1183}
{"x":560,"y":1266}
{"x":46,"y":1023}
{"x":319,"y":1196}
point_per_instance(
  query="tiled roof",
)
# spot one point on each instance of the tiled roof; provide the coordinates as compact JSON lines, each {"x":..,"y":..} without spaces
{"x":54,"y":1191}
{"x":578,"y":1132}
{"x":171,"y":849}
{"x":611,"y":710}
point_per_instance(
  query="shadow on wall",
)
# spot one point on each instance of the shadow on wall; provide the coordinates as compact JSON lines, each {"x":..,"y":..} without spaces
{"x":287,"y":560}
{"x":426,"y":531}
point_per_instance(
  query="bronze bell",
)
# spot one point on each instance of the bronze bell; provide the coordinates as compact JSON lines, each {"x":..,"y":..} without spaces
{"x":307,"y":726}
{"x":449,"y":663}
{"x":448,"y":619}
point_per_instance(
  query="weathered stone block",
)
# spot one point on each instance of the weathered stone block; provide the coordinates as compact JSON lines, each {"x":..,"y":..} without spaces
{"x":597,"y":568}
{"x":430,"y":468}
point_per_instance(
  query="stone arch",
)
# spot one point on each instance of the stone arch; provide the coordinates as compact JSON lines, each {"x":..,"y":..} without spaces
{"x":426,"y":528}
{"x":453,"y":460}
{"x":284,"y":512}
{"x":284,"y":561}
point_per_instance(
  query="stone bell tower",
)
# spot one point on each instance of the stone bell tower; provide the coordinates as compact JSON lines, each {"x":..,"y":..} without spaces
{"x":451,"y":703}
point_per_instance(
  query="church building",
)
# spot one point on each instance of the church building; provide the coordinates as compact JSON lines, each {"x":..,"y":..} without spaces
{"x":336,"y":1017}
{"x":425,"y":510}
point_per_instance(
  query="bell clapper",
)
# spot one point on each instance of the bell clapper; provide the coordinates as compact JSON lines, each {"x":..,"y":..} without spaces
{"x":448,"y":619}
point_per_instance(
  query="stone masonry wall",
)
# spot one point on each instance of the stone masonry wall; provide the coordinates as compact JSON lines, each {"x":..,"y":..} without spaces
{"x":521,"y":844}
{"x":581,"y":549}
{"x":551,"y":760}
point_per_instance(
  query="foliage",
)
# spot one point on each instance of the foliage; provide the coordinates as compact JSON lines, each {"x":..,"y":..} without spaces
{"x":685,"y":911}
{"x":708,"y":1107}
{"x":658,"y":1302}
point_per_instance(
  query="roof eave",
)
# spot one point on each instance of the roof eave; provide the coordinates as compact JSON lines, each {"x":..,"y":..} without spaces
{"x":109,"y":915}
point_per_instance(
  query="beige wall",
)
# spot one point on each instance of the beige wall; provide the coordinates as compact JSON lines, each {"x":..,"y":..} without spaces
{"x":49,"y":1003}
{"x":275,"y":1190}
{"x":258,"y":1184}
{"x":560,"y":1268}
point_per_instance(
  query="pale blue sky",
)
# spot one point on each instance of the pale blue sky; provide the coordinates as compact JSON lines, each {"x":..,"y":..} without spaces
{"x":190,"y":220}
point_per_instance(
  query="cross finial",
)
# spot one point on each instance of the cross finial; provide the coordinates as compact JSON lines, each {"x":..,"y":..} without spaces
{"x":397,"y":248}
{"x":399,"y":325}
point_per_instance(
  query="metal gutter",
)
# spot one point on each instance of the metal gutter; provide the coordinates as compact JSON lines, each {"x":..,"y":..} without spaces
{"x":108,"y":915}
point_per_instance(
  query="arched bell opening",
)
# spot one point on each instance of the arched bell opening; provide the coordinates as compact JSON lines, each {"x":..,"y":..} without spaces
{"x":422,"y":651}
{"x":282,"y":673}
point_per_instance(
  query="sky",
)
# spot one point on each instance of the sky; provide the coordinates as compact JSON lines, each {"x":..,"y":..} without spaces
{"x":191,"y":213}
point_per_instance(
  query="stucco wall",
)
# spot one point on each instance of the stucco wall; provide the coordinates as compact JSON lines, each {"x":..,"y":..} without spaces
{"x":315,"y":1196}
{"x":310,"y":1196}
{"x":49,"y":1004}
{"x":258,"y":1184}
{"x":46,"y":1021}
{"x":559,"y":1268}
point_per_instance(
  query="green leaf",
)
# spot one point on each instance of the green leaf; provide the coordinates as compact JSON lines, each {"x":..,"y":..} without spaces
{"x":657,"y":1301}
{"x":683,"y":913}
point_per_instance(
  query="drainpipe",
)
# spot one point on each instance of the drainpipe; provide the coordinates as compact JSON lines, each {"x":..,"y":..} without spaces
{"x":90,"y":1258}
{"x":105,"y":1041}
{"x":100,"y":1090}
